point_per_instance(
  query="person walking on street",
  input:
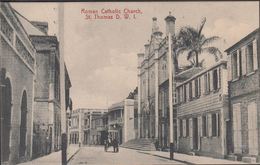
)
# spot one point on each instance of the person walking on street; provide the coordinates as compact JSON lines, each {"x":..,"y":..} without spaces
{"x":115,"y":145}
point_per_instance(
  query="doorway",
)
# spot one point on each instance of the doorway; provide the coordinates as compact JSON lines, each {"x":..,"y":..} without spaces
{"x":6,"y":106}
{"x":195,"y":133}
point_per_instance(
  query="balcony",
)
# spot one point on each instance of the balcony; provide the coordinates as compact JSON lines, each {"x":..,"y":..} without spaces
{"x":118,"y":120}
{"x":101,"y":128}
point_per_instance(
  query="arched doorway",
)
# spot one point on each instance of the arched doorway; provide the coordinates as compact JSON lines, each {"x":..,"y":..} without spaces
{"x":5,"y":105}
{"x":22,"y":147}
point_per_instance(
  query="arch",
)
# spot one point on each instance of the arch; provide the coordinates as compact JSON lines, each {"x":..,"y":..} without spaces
{"x":6,"y":110}
{"x":23,"y":125}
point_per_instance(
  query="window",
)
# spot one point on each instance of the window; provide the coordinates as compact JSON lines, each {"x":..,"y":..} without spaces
{"x":178,"y":95}
{"x":204,"y":126}
{"x":190,"y":90}
{"x":199,"y":91}
{"x":181,"y":94}
{"x":207,"y":83}
{"x":215,"y":79}
{"x":250,"y":58}
{"x":181,"y":128}
{"x":184,"y":93}
{"x":214,"y":125}
{"x":196,"y":88}
{"x":234,"y":65}
{"x":187,"y":128}
{"x":240,"y":62}
{"x":219,"y":76}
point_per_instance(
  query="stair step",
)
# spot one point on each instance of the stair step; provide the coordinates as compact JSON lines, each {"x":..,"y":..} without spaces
{"x":140,"y":144}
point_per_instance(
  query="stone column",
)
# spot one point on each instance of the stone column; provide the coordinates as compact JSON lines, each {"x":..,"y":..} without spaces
{"x":140,"y":60}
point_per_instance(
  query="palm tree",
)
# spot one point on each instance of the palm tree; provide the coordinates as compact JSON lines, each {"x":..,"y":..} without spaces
{"x":191,"y":40}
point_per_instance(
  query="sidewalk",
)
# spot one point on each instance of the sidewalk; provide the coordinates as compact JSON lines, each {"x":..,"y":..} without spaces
{"x":54,"y":158}
{"x":184,"y":158}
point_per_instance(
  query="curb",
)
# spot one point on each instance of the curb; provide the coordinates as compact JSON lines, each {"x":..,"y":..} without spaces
{"x":181,"y":161}
{"x":73,"y":155}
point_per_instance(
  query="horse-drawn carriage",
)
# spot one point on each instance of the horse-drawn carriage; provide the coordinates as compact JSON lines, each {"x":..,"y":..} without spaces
{"x":109,"y":142}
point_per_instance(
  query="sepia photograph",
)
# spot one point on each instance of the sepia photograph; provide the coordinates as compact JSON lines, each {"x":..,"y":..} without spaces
{"x":129,"y":83}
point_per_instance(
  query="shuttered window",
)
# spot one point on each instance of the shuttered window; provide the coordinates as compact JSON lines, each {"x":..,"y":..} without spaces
{"x":184,"y":127}
{"x":234,"y":65}
{"x":255,"y":54}
{"x":190,"y":90}
{"x":181,"y":128}
{"x":204,"y":126}
{"x":215,"y":79}
{"x":184,"y":93}
{"x":250,"y":59}
{"x":215,"y":124}
{"x":187,"y":128}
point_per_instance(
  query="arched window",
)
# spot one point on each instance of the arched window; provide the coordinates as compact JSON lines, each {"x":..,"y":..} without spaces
{"x":23,"y":128}
{"x":5,"y":106}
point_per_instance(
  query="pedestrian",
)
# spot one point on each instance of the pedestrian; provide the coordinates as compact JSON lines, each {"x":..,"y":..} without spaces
{"x":105,"y":145}
{"x":115,"y":145}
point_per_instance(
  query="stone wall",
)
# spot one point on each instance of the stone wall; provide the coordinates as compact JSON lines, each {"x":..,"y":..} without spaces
{"x":21,"y":78}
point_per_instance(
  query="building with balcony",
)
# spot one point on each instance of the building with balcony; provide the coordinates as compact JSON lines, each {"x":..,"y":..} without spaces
{"x":122,"y":119}
{"x":244,"y":85}
{"x":202,"y":112}
{"x":87,"y":126}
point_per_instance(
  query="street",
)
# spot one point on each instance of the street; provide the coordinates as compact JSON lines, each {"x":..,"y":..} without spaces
{"x":97,"y":155}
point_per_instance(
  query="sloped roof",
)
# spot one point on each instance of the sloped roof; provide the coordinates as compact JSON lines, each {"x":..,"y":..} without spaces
{"x":28,"y":26}
{"x":242,"y":40}
{"x":182,"y":76}
{"x":116,"y":106}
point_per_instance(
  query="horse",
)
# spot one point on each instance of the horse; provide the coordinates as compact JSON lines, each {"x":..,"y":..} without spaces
{"x":107,"y":144}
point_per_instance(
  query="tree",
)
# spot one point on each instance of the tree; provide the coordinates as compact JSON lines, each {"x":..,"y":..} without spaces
{"x":193,"y":42}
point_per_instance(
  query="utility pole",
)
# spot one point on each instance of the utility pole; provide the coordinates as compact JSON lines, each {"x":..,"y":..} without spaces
{"x":170,"y":95}
{"x":170,"y":28}
{"x":62,"y":85}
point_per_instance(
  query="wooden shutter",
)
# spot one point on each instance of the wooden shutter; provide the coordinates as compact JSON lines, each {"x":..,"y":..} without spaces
{"x":191,"y":135}
{"x":178,"y":128}
{"x":244,"y":60}
{"x":200,"y":125}
{"x":252,"y":128}
{"x":193,"y":88}
{"x":184,"y":127}
{"x":238,"y":64}
{"x":255,"y":54}
{"x":237,"y":128}
{"x":209,"y":119}
{"x":200,"y":85}
{"x":229,"y":67}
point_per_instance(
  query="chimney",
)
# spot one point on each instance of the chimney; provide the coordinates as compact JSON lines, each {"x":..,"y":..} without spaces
{"x":170,"y":24}
{"x":42,"y":26}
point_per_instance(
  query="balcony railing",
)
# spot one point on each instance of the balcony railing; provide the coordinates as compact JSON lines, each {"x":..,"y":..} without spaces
{"x":115,"y":121}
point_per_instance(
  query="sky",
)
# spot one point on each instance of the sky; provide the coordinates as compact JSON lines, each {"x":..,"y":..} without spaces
{"x":101,"y":55}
